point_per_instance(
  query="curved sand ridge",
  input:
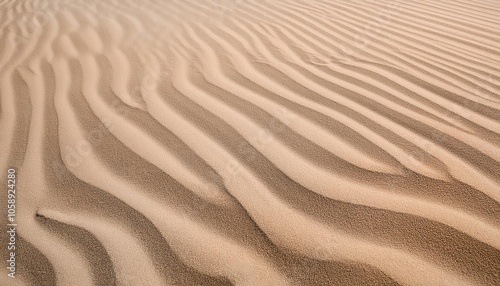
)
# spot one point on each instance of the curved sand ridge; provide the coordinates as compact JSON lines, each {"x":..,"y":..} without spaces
{"x":253,"y":142}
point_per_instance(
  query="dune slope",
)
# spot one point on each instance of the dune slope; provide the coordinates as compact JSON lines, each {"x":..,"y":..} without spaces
{"x":252,"y":142}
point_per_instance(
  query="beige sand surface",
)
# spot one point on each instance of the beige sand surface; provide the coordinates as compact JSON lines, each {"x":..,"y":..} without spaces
{"x":251,"y":142}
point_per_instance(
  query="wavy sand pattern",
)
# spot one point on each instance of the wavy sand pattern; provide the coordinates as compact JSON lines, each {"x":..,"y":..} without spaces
{"x":253,"y":142}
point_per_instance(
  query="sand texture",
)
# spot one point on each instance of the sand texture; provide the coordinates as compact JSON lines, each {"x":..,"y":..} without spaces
{"x":252,"y":142}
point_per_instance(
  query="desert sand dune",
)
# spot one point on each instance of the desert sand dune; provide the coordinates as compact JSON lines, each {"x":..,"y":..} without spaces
{"x":252,"y":142}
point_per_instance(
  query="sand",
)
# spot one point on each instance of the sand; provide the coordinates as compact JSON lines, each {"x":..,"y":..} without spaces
{"x":251,"y":142}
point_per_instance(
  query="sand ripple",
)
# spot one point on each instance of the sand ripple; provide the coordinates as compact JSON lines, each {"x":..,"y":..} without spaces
{"x":253,"y":142}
